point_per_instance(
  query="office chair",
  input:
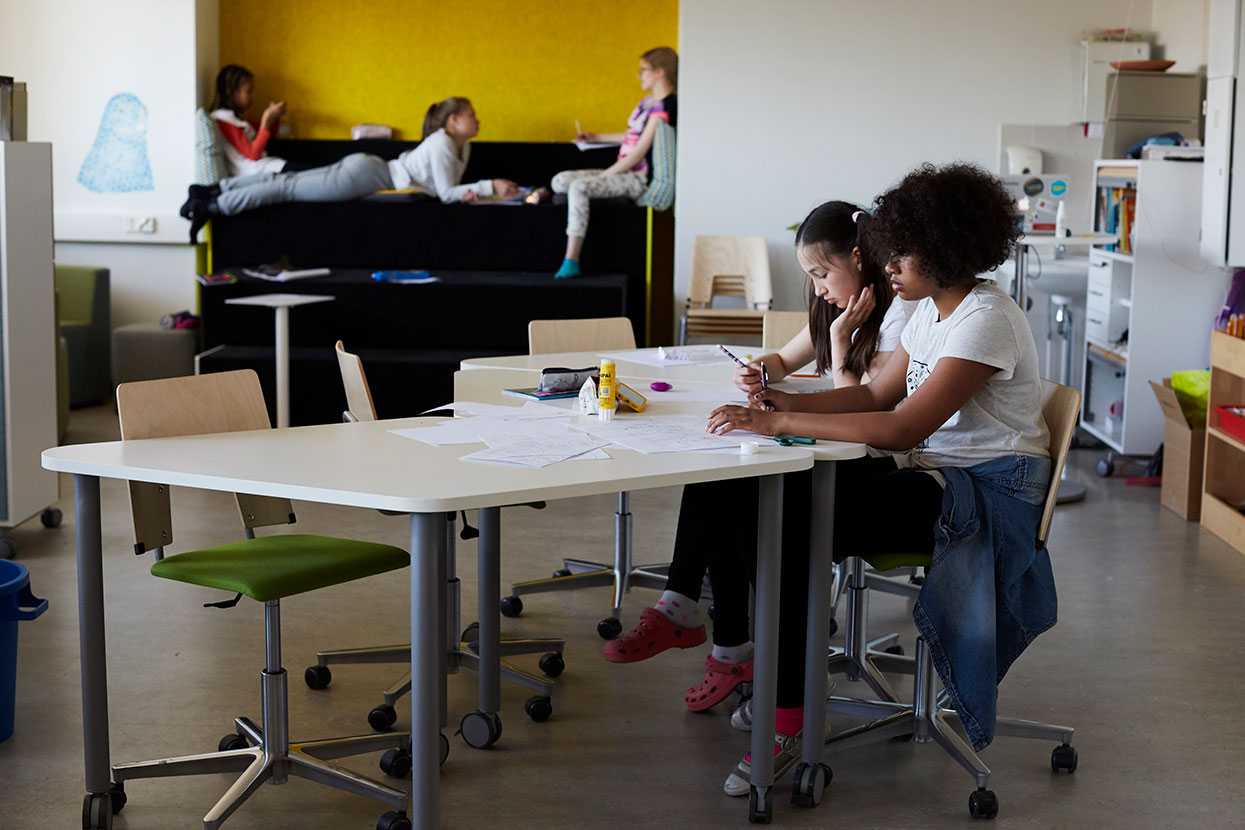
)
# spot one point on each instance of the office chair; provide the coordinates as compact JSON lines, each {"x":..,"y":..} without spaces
{"x":926,"y":719}
{"x":266,"y":569}
{"x":593,"y":335}
{"x":461,"y":650}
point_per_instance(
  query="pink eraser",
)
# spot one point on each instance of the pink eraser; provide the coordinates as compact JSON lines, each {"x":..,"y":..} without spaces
{"x":660,"y":386}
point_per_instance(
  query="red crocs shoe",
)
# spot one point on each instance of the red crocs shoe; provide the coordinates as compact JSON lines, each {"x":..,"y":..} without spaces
{"x":720,"y":680}
{"x":654,"y":634}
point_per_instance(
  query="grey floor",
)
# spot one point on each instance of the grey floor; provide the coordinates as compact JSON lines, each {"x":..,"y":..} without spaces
{"x":1147,"y":662}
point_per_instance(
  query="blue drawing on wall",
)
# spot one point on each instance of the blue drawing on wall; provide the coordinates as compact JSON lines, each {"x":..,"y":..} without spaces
{"x":117,"y":162}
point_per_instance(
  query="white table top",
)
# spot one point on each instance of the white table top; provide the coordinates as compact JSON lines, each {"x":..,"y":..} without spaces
{"x":626,"y":368}
{"x":687,"y":398}
{"x":364,"y":465}
{"x":281,"y":300}
{"x":1050,"y":240}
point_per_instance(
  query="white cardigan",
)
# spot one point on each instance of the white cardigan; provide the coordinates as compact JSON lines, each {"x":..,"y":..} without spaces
{"x":436,"y":166}
{"x":240,"y":165}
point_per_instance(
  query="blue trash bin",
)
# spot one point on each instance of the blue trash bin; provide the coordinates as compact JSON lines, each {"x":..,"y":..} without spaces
{"x":17,"y":604}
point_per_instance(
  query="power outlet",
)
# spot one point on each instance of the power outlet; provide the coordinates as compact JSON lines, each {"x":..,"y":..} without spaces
{"x":140,"y":224}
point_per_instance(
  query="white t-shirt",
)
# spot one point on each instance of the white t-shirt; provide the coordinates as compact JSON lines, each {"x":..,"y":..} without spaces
{"x":437,"y":166}
{"x":893,"y":323}
{"x":1005,"y":417}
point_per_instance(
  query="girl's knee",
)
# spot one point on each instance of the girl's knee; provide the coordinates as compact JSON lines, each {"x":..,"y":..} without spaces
{"x":578,"y":189}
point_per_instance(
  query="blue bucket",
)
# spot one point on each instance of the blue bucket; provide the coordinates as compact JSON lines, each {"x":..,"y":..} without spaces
{"x":17,"y":604}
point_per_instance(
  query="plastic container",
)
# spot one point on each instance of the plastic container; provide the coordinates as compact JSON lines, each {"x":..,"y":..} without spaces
{"x":17,"y":604}
{"x":1230,"y":421}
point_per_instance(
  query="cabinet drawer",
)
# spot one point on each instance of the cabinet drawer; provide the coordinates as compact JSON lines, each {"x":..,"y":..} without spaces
{"x":1098,"y":299}
{"x":1097,"y":328}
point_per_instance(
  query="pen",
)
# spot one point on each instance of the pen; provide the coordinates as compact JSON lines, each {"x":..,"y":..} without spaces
{"x":578,"y":129}
{"x":742,"y":365}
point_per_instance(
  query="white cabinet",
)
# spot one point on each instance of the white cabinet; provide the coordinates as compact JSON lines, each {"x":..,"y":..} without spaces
{"x":27,"y":330}
{"x":1098,"y":57}
{"x":1224,"y":47}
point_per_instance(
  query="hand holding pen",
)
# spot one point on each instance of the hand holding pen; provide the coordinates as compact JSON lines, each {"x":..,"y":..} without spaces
{"x":752,"y":378}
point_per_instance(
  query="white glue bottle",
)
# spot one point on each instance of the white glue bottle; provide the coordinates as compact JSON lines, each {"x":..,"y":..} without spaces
{"x":607,"y":391}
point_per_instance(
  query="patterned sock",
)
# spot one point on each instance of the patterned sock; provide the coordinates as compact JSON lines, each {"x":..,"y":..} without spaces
{"x":741,"y":653}
{"x":680,"y":610}
{"x":570,"y":268}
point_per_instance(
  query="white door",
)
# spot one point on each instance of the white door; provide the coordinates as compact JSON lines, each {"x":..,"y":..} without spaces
{"x":1217,"y":170}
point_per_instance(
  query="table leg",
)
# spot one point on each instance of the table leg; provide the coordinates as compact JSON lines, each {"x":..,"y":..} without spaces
{"x":769,"y":573}
{"x":489,"y":593}
{"x":811,"y":776}
{"x":427,"y":543}
{"x":282,"y":341}
{"x":94,"y":659}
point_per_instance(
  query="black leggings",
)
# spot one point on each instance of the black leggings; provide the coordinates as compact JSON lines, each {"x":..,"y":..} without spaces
{"x":878,"y":509}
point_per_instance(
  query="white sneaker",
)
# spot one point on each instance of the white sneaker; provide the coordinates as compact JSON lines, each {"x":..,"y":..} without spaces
{"x":741,"y":718}
{"x":786,"y":753}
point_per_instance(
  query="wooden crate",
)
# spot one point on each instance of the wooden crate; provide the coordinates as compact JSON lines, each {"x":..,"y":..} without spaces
{"x":1223,"y":489}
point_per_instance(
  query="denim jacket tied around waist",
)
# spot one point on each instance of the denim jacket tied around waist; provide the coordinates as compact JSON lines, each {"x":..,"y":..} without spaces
{"x":990,"y":590}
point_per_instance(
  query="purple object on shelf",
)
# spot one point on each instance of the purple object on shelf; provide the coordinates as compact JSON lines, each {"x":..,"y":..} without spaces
{"x":660,"y":386}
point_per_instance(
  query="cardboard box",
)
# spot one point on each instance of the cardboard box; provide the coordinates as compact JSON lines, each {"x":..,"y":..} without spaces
{"x":1184,"y":451}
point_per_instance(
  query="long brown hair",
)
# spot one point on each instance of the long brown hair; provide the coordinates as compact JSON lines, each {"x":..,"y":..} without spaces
{"x":440,"y":112}
{"x":837,"y":228}
{"x":665,"y":59}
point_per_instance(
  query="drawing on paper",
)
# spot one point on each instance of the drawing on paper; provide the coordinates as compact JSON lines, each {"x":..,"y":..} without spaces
{"x":117,"y":162}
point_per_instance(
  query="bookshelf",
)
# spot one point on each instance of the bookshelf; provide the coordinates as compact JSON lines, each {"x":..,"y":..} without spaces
{"x":1223,"y":486}
{"x":1149,"y":298}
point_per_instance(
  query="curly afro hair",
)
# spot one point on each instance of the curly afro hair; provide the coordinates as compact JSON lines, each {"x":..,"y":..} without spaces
{"x":957,"y":220}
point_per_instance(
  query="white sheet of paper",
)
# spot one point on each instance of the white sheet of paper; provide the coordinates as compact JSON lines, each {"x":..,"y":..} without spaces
{"x":658,"y":433}
{"x":672,"y":356}
{"x":536,"y":449}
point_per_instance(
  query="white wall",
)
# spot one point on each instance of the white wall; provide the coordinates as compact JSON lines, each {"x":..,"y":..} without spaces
{"x":787,"y":103}
{"x":1181,"y":33}
{"x":75,"y":55}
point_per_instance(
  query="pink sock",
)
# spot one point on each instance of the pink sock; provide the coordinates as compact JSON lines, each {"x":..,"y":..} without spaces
{"x":789,"y":721}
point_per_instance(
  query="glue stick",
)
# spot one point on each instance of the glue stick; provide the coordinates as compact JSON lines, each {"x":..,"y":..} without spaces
{"x":607,"y":391}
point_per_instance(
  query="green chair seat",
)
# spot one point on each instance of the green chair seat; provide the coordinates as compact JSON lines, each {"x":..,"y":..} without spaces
{"x":272,"y":567}
{"x":891,"y":561}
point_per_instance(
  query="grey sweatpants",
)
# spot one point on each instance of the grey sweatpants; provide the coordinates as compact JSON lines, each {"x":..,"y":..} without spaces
{"x":581,"y":186}
{"x":355,"y":176}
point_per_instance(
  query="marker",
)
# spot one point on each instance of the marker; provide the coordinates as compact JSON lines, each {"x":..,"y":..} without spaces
{"x":792,"y":440}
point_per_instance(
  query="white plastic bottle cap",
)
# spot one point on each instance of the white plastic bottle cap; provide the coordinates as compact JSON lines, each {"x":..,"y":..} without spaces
{"x":606,"y":415}
{"x":749,"y":447}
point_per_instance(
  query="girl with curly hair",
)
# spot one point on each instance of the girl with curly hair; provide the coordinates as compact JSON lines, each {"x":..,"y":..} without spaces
{"x":966,"y":372}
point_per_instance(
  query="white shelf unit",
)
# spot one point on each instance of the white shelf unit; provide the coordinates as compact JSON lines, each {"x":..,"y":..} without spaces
{"x":27,"y":331}
{"x":1161,"y":298}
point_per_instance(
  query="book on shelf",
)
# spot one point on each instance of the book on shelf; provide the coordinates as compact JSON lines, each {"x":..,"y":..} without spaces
{"x":1115,"y":212}
{"x":276,"y":273}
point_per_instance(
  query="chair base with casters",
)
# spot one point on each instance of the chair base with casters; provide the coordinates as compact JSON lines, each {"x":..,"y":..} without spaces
{"x":926,"y":719}
{"x":622,"y":576}
{"x":860,"y":658}
{"x":461,"y":653}
{"x":266,"y":755}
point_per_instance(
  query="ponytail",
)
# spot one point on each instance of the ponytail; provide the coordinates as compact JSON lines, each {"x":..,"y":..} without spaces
{"x":230,"y":77}
{"x":440,"y":111}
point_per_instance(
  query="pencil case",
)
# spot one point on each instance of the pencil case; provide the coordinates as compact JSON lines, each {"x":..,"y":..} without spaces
{"x":565,"y":380}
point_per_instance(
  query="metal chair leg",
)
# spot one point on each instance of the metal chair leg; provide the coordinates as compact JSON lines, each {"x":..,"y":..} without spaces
{"x":251,"y":780}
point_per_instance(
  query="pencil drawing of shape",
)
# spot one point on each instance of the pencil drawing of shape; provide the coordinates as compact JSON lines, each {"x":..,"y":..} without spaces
{"x":117,"y":162}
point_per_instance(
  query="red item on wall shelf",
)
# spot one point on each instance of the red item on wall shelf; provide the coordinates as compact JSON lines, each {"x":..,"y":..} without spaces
{"x":1231,"y":419}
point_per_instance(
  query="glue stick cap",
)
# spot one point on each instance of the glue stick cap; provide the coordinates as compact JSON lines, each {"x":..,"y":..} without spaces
{"x":605,"y":414}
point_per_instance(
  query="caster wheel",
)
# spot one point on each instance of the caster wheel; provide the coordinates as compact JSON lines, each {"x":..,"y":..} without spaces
{"x":896,"y":649}
{"x":1063,"y":758}
{"x":393,"y":820}
{"x":511,"y":606}
{"x":983,"y":804}
{"x":744,"y":690}
{"x":396,"y":763}
{"x":51,"y":517}
{"x":760,"y":808}
{"x":119,"y":799}
{"x":1105,"y":467}
{"x":834,"y":626}
{"x":382,"y":718}
{"x":539,"y":709}
{"x":810,"y":784}
{"x":712,"y":612}
{"x":8,"y":550}
{"x":471,"y":634}
{"x":445,"y":749}
{"x":317,"y":677}
{"x":609,"y":628}
{"x":561,"y":573}
{"x":97,"y":812}
{"x":231,"y":742}
{"x":480,"y":730}
{"x":552,"y":664}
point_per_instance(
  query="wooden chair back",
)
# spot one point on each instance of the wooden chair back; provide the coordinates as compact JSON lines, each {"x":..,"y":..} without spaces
{"x":193,"y":405}
{"x":730,"y":266}
{"x":359,"y":403}
{"x":778,"y":327}
{"x":1061,"y":407}
{"x":594,"y":334}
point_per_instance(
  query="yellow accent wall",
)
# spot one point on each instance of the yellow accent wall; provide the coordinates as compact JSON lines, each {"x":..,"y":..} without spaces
{"x":531,"y":67}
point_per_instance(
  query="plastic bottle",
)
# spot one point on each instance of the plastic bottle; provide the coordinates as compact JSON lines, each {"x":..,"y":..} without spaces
{"x":607,"y":391}
{"x":1061,"y":221}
